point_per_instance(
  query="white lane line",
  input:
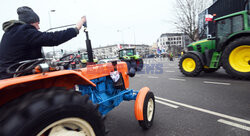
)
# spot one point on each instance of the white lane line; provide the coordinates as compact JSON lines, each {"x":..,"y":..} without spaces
{"x":152,"y":77}
{"x":168,"y":71}
{"x":167,"y":104}
{"x":216,"y":83}
{"x":177,"y":79}
{"x":234,"y":124}
{"x":206,"y":111}
{"x":165,"y":67}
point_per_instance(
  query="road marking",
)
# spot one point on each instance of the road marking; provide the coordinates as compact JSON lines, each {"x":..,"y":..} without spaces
{"x":167,"y":104}
{"x":152,"y":77}
{"x":169,"y":71}
{"x":217,"y":83}
{"x":234,"y":124}
{"x":177,"y":79}
{"x":165,"y":67}
{"x":206,"y":111}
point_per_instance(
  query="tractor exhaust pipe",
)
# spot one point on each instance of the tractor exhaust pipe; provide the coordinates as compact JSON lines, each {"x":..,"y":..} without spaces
{"x":88,"y":45}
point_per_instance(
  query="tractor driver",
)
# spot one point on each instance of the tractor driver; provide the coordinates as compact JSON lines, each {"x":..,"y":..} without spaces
{"x":22,"y":40}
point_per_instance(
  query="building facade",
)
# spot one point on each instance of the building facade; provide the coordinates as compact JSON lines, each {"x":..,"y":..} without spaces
{"x":173,"y":39}
{"x":172,"y":42}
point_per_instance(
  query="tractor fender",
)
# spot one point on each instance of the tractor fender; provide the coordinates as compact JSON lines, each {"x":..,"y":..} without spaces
{"x":221,"y":47}
{"x":198,"y":54}
{"x":138,"y":107}
{"x":14,"y":87}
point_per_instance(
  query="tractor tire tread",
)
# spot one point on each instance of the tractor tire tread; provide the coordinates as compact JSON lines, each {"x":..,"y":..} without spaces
{"x":32,"y":109}
{"x":245,"y":40}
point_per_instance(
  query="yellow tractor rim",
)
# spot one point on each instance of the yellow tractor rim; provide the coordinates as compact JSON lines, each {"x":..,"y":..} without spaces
{"x":188,"y":64}
{"x":239,"y":58}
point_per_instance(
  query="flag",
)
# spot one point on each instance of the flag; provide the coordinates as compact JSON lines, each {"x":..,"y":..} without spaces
{"x":209,"y":17}
{"x":119,"y":46}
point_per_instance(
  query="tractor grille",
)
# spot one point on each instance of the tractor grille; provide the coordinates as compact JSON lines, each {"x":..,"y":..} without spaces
{"x":198,"y":48}
{"x":190,"y":48}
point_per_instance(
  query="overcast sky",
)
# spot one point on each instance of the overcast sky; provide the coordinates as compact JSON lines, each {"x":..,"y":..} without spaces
{"x":109,"y":21}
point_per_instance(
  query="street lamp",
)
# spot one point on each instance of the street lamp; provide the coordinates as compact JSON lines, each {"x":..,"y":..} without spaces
{"x":121,"y":35}
{"x":50,"y":17}
{"x":131,"y":28}
{"x":49,"y":12}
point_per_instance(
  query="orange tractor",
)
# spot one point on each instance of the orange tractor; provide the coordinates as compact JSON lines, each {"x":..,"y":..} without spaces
{"x":44,"y":98}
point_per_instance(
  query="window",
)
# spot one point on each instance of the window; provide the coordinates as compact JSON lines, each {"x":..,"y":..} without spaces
{"x":248,"y":20}
{"x":229,"y":25}
{"x":224,"y":27}
{"x":237,"y":23}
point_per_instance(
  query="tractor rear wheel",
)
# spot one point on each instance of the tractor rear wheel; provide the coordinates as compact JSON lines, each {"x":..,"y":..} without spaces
{"x":148,"y":111}
{"x":52,"y":112}
{"x":236,"y":58}
{"x":190,"y":65}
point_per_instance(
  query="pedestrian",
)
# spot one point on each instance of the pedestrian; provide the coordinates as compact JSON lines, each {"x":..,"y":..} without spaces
{"x":22,"y":39}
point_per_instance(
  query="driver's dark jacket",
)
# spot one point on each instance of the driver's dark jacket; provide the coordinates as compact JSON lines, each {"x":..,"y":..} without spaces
{"x":24,"y":42}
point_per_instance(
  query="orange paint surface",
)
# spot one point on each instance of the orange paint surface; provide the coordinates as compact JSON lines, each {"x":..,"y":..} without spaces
{"x":14,"y":87}
{"x":139,"y":102}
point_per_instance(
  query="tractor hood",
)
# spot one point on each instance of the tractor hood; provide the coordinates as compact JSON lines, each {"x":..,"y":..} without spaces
{"x":132,"y":57}
{"x":202,"y":45}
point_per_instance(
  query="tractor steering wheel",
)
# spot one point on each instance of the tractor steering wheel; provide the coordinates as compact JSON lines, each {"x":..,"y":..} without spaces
{"x":67,"y":59}
{"x":24,"y":67}
{"x":70,"y":58}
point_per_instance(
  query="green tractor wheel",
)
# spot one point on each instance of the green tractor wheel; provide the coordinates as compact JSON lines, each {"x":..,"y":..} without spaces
{"x":236,"y":58}
{"x":190,"y":65}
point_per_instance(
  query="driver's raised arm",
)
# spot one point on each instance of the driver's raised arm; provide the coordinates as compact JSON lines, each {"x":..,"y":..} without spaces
{"x":37,"y":38}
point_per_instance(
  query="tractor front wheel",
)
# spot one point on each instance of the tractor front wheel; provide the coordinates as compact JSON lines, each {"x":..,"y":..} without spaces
{"x":236,"y":58}
{"x":190,"y":65}
{"x":52,"y":112}
{"x":148,"y":111}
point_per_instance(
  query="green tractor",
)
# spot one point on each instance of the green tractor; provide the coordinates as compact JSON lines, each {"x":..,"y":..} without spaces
{"x":230,"y":48}
{"x":84,"y":59}
{"x":131,"y":58}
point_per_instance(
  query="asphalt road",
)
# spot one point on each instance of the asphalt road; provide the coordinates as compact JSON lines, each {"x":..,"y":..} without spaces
{"x":207,"y":105}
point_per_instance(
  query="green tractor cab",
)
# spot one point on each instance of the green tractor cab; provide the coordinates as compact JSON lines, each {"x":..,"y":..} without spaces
{"x":131,"y":58}
{"x":230,"y":48}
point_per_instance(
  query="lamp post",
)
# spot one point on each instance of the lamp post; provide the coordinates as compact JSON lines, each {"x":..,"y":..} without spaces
{"x":122,"y":33}
{"x":49,"y":12}
{"x":122,"y":36}
{"x":132,"y":29}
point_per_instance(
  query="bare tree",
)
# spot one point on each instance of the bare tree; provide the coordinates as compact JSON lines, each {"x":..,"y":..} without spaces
{"x":187,"y":16}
